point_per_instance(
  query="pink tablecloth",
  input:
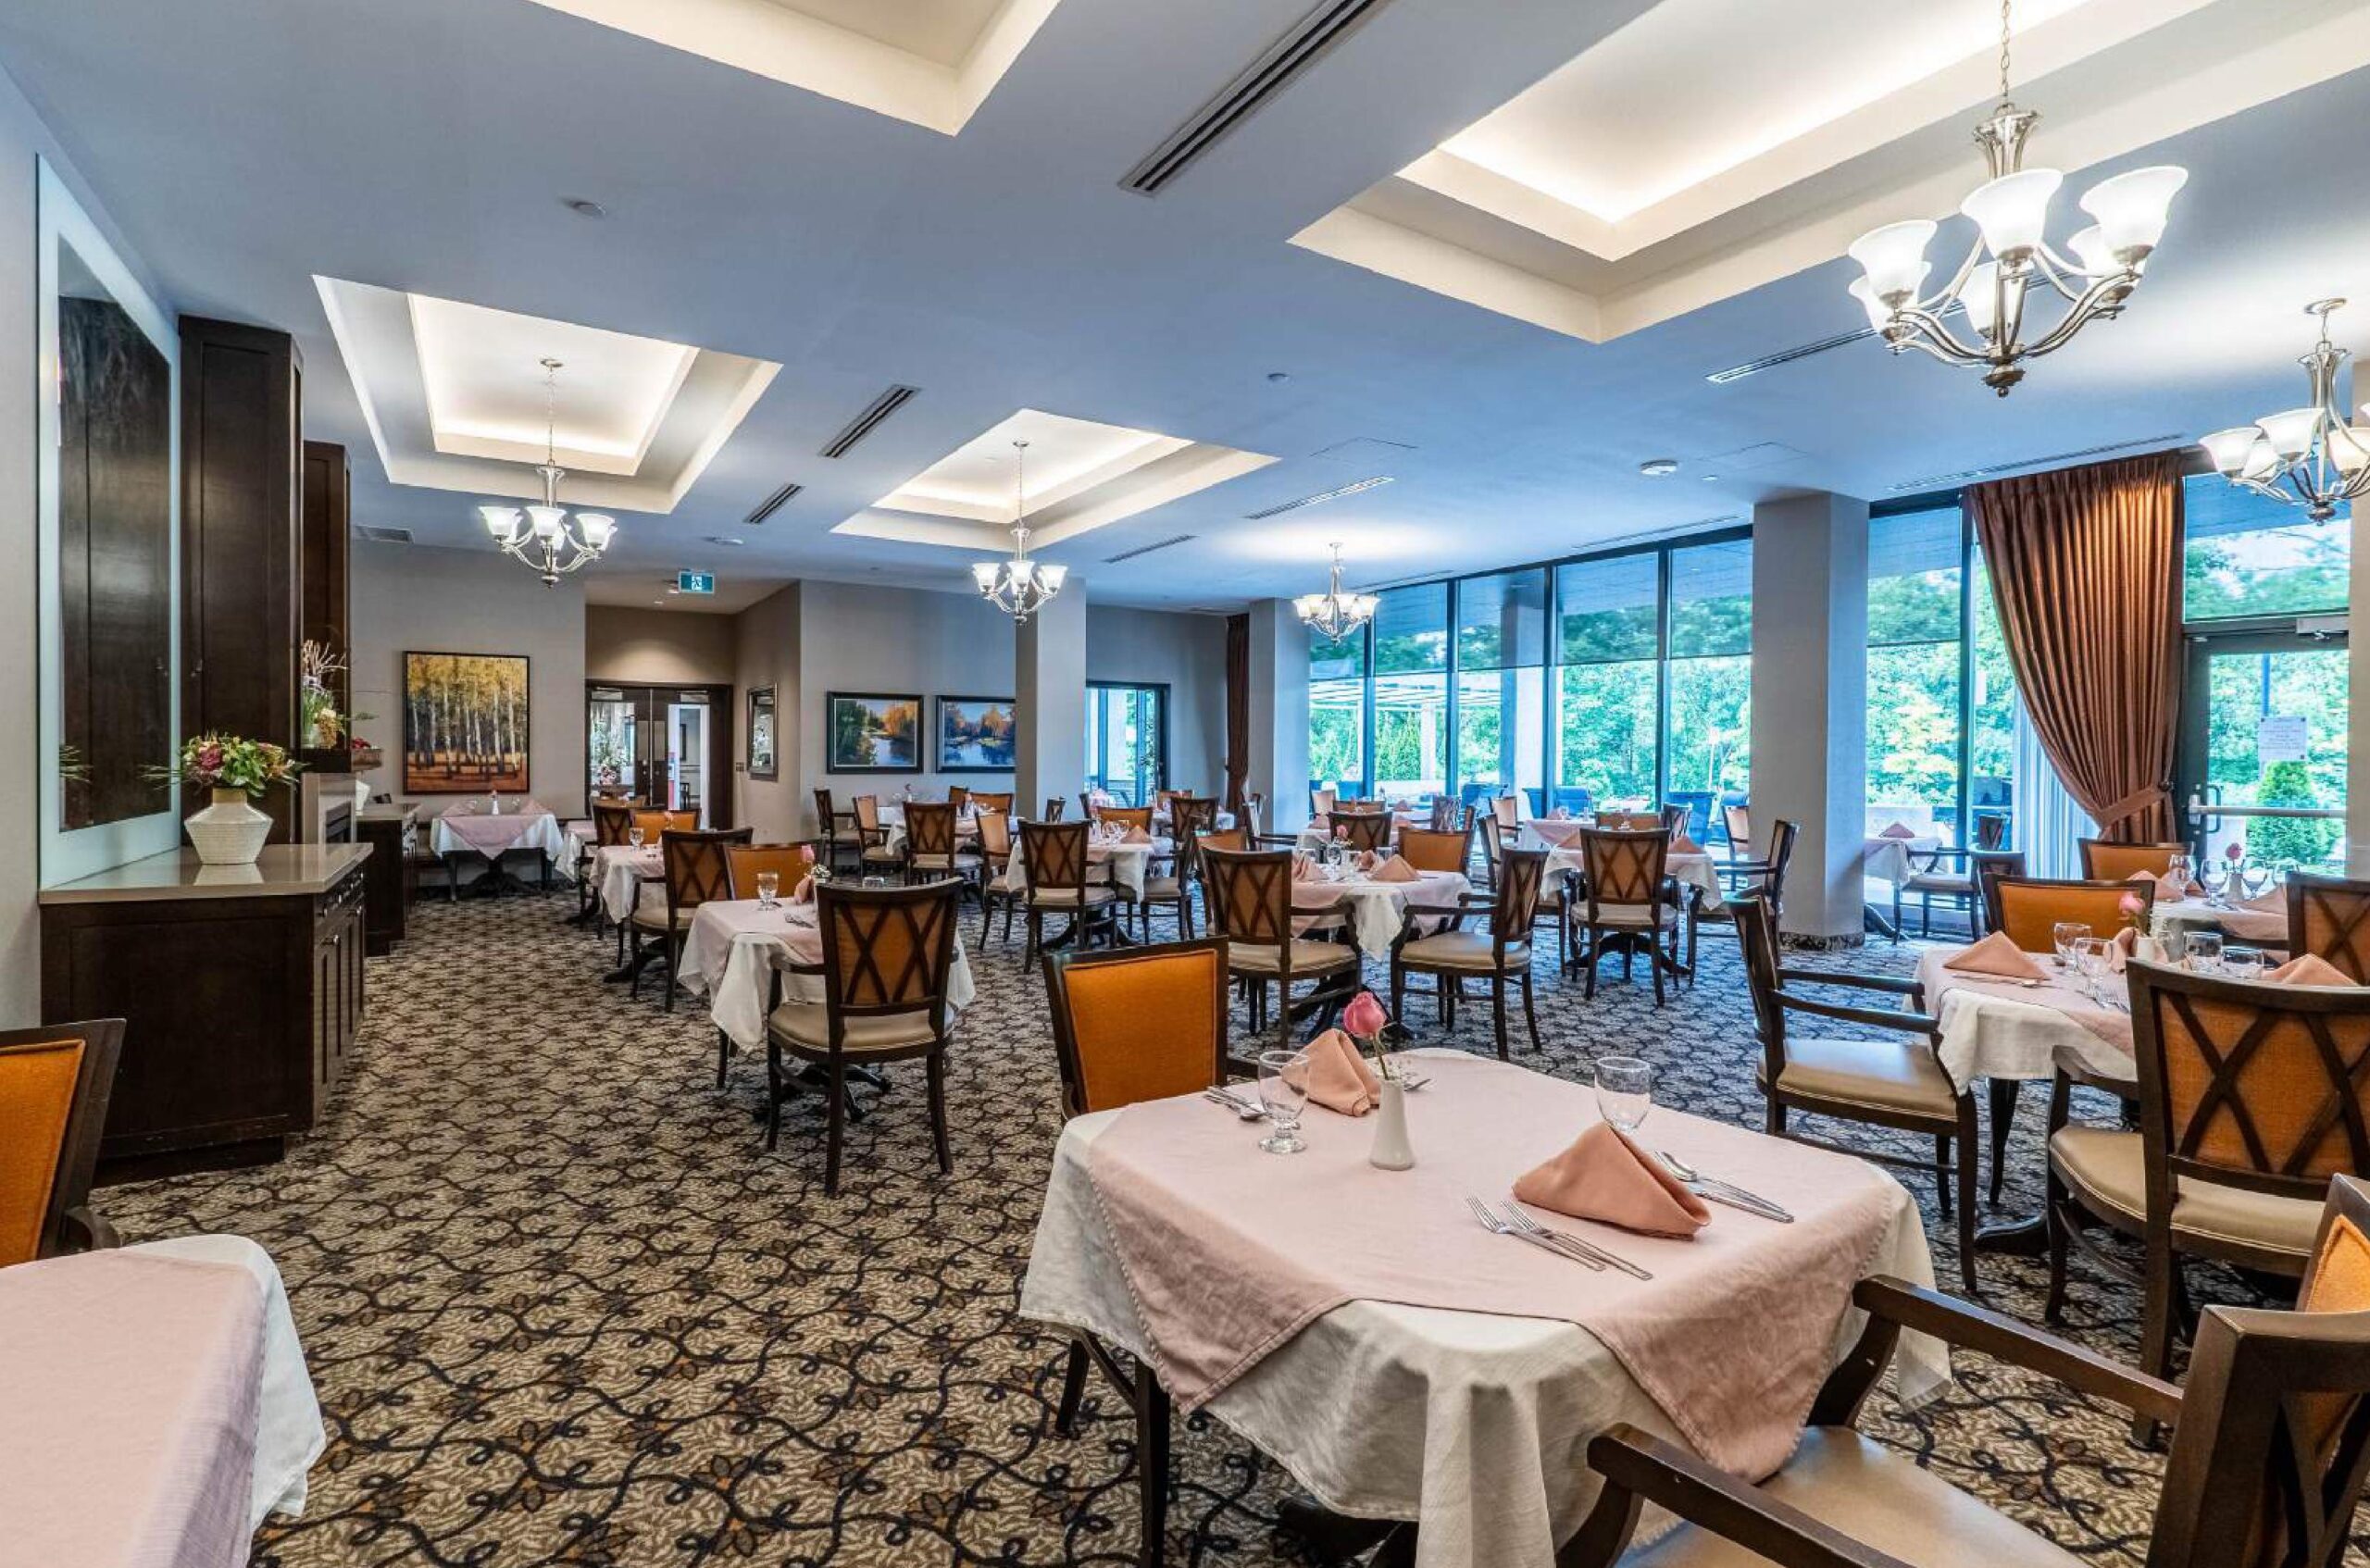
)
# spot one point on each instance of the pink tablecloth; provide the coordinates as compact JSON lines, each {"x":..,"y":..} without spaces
{"x":489,"y":834}
{"x":1229,"y":1251}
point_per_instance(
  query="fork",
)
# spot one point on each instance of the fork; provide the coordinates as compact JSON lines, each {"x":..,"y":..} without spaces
{"x":1228,"y":1093}
{"x":1523,"y":1222}
{"x":1492,"y":1223}
{"x":1248,"y":1112}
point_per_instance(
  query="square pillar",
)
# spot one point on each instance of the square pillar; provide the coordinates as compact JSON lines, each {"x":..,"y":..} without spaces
{"x":1049,"y":693}
{"x":1279,"y":713}
{"x":2357,"y":700}
{"x":1810,"y":697}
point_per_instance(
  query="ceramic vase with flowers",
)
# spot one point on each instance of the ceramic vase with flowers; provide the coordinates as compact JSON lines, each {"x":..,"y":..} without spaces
{"x":1363,"y":1020}
{"x":231,"y":831}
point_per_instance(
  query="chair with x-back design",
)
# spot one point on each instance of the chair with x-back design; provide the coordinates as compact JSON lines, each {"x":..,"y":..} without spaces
{"x":697,"y":868}
{"x":1251,"y":906}
{"x":1499,"y":954}
{"x":2251,"y":1096}
{"x":2329,"y":917}
{"x":1367,"y":830}
{"x":1188,"y":815}
{"x":1625,"y":905}
{"x":931,"y":852}
{"x":997,"y":889}
{"x":888,"y":958}
{"x":1054,"y":862}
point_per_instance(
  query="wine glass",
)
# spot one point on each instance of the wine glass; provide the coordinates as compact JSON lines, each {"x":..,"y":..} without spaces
{"x":2181,"y":869}
{"x":2062,"y":936}
{"x":1625,"y":1091}
{"x":2214,"y":878}
{"x":634,"y":835}
{"x":2204,"y":953}
{"x":1283,"y":1091}
{"x":2093,"y":963}
{"x":767,"y":882}
{"x":2254,"y":877}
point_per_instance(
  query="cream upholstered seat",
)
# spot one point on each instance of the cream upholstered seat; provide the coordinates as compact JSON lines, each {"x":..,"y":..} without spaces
{"x":1637,"y":916}
{"x":1093,"y":893}
{"x":809,"y":1023}
{"x":1461,"y":950}
{"x":1499,"y":954}
{"x":1889,"y":1074}
{"x":2109,"y":1166}
{"x":650,"y":912}
{"x":1308,"y":957}
{"x":1879,"y":1499}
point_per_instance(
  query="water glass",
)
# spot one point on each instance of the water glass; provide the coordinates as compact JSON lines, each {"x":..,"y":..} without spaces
{"x":2254,"y":878}
{"x":1625,"y":1091}
{"x":2246,"y":963}
{"x":2204,"y":953}
{"x":2181,"y":869}
{"x":2214,"y":878}
{"x":767,"y":882}
{"x":634,"y":835}
{"x":1283,"y":1091}
{"x":2062,"y":936}
{"x":2093,"y":962}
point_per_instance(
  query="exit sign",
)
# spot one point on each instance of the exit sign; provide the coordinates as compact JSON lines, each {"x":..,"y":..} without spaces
{"x":695,"y":582}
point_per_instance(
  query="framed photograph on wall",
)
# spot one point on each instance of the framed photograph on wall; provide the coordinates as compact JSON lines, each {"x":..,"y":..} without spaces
{"x":976,"y":734}
{"x":869,"y":732}
{"x":762,"y":761}
{"x":465,"y":723}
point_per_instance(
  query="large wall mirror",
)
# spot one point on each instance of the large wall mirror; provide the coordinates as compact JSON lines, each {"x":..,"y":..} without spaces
{"x":110,"y":550}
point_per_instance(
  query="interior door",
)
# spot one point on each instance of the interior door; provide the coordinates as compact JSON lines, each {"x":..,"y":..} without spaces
{"x":670,"y":745}
{"x":2263,"y":746}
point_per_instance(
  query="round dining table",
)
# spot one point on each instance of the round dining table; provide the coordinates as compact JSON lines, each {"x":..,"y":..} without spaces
{"x":1377,"y":908}
{"x":1690,"y":868}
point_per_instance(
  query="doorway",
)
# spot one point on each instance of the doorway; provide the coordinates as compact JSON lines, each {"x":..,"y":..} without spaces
{"x":1127,"y":741}
{"x":669,"y":745}
{"x":2263,"y":746}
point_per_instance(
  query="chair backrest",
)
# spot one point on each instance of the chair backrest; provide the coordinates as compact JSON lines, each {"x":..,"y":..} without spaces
{"x":698,"y":866}
{"x":1086,"y":806}
{"x":1135,"y":1024}
{"x":1622,"y":866}
{"x":1427,"y":850}
{"x":656,"y":822}
{"x":1055,"y":807}
{"x":867,"y":815}
{"x":1129,"y":817}
{"x":1782,"y":834}
{"x":1236,"y":838}
{"x":930,"y":827}
{"x":1986,"y":866}
{"x":1190,"y":816}
{"x":791,"y":863}
{"x":55,"y":1083}
{"x":826,"y":818}
{"x":1507,"y":810}
{"x":886,"y":949}
{"x":1739,"y":821}
{"x":611,"y":824}
{"x":2330,"y":917}
{"x":958,"y":796}
{"x":2253,"y":1085}
{"x":1250,"y":893}
{"x":1756,"y":920}
{"x":1694,"y":807}
{"x":1054,"y":855}
{"x":2268,"y":1459}
{"x":2104,"y":860}
{"x":2029,"y":906}
{"x":1254,"y":811}
{"x":1674,"y":820}
{"x":1514,"y":900}
{"x":984,"y":801}
{"x":1362,"y":830}
{"x":995,"y":838}
{"x":1494,"y":844}
{"x":1990,"y":833}
{"x":1322,"y":802}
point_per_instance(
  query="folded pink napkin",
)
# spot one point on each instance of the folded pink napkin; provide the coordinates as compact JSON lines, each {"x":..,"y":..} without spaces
{"x":2169,"y":889}
{"x":2120,"y":946}
{"x":1136,"y":836}
{"x":2309,"y":969}
{"x":1997,"y":956}
{"x":1898,"y":830}
{"x":1561,"y":814}
{"x":804,"y":891}
{"x":1685,"y":845}
{"x":2271,"y":900}
{"x":1366,"y":860}
{"x":1396,"y":869}
{"x":1303,"y":868}
{"x":1338,"y":1078}
{"x":1604,"y":1176}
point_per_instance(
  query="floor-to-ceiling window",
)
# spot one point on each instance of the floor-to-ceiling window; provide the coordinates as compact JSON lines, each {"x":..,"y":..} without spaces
{"x":1608,"y":698}
{"x":1337,"y":713}
{"x":1917,"y":614}
{"x":1501,"y":684}
{"x":1410,"y":657}
{"x":1708,"y":735}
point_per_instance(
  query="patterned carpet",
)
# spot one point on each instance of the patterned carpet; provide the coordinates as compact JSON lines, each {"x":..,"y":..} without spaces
{"x":562,"y":1308}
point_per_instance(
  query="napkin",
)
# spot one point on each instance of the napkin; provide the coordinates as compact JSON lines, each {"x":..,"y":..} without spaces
{"x":2309,"y":969}
{"x":1396,"y":869}
{"x":1135,"y":836}
{"x":1561,"y":814}
{"x":1303,"y":868}
{"x":1604,"y":1176}
{"x":1898,"y":830}
{"x":1995,"y":955}
{"x":2169,"y":889}
{"x":1367,"y":859}
{"x":2120,"y":948}
{"x":1338,"y":1078}
{"x":804,"y":891}
{"x":2271,"y":900}
{"x":1685,"y":845}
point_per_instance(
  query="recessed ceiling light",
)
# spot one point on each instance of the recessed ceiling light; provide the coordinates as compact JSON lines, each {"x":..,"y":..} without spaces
{"x":582,"y":207}
{"x":1658,"y":468}
{"x":727,"y":540}
{"x":1711,"y":478}
{"x":1279,"y":377}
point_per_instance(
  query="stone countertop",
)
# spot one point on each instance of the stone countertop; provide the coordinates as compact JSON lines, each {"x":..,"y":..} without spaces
{"x":281,"y":871}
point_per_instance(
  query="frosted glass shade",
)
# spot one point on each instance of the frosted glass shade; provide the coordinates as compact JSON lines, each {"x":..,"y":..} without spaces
{"x":1981,"y":296}
{"x":2014,"y":209}
{"x":1052,"y":577}
{"x":2131,"y":209}
{"x":2090,"y":249}
{"x":986,"y":574}
{"x":1879,"y":313}
{"x":2290,"y":433}
{"x":596,"y":528}
{"x":2350,"y":447}
{"x":2262,"y":462}
{"x":547,"y":521}
{"x":2229,"y":448}
{"x":1894,"y":257}
{"x":502,"y":522}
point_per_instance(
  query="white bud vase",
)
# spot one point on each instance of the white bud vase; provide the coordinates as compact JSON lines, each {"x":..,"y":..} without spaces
{"x":229,"y":833}
{"x":1392,"y":1152}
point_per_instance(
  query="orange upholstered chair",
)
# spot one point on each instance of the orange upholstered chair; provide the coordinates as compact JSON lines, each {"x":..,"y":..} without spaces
{"x":54,"y":1088}
{"x":2031,"y":905}
{"x":2105,"y":862}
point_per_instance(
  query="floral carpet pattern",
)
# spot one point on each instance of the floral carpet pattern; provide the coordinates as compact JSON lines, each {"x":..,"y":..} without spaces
{"x":563,"y":1308}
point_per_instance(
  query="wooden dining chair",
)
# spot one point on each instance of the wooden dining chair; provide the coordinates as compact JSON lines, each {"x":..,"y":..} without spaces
{"x":1146,"y":1023}
{"x":2329,"y":916}
{"x":654,"y":821}
{"x":1428,"y":849}
{"x":888,"y":962}
{"x":2266,"y":1469}
{"x":1559,"y":894}
{"x":1892,"y":1079}
{"x":612,"y":826}
{"x":875,"y":855}
{"x":1363,"y":831}
{"x":836,"y":829}
{"x":1054,"y":806}
{"x":54,"y":1084}
{"x":933,"y":850}
{"x":2251,"y":1096}
{"x":1765,"y":877}
{"x":1738,"y":822}
{"x":996,"y":891}
{"x":1626,"y":902}
{"x":1250,"y":907}
{"x":1189,"y":816}
{"x":2104,"y":860}
{"x":2029,"y":906}
{"x":1053,"y":857}
{"x":1499,"y":953}
{"x":1322,"y":802}
{"x":696,"y":868}
{"x":790,"y":865}
{"x":1986,"y":867}
{"x":1127,"y":816}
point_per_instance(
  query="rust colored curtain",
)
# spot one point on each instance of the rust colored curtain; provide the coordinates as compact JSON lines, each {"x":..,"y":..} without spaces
{"x":1237,"y":712}
{"x":2086,"y":567}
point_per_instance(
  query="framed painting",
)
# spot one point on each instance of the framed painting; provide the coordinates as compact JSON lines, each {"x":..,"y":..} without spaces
{"x":870,"y":732}
{"x":976,"y":734}
{"x":465,"y":723}
{"x":762,"y":763}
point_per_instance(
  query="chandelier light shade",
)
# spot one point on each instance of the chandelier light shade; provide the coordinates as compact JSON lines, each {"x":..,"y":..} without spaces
{"x":548,"y":542}
{"x":1018,"y":587}
{"x":2012,"y":260}
{"x":1333,"y":615}
{"x":2309,"y":457}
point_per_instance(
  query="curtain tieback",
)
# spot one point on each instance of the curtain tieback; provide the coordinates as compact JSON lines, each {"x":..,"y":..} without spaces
{"x":2139,"y":800}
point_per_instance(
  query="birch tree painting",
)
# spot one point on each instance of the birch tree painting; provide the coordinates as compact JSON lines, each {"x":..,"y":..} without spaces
{"x":465,"y":723}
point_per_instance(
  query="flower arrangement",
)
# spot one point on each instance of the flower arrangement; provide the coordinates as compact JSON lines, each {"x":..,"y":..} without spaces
{"x":1363,"y":1020}
{"x":316,"y":665}
{"x":2132,"y":908}
{"x":230,"y":762}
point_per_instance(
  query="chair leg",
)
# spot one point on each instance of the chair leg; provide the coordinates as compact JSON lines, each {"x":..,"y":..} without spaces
{"x":935,"y":1066}
{"x":2156,"y":1329}
{"x":1398,"y":989}
{"x":633,"y":981}
{"x":1152,"y":1467}
{"x":1654,"y":959}
{"x":1073,"y":1390}
{"x":1596,"y":948}
{"x":1963,"y":1145}
{"x":1941,"y":1181}
{"x":1897,"y":925}
{"x":2061,"y":1245}
{"x":1529,"y":1012}
{"x":2003,"y":1114}
{"x":1498,"y":1012}
{"x":837,"y":1128}
{"x":723,"y":1055}
{"x":671,"y":945}
{"x":773,"y":1092}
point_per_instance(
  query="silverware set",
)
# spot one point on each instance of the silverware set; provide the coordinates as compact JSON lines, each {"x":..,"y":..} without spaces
{"x":1563,"y":1244}
{"x":1250,"y":1110}
{"x":1712,"y":1190}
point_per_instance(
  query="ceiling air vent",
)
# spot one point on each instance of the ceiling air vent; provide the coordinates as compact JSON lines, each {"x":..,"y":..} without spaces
{"x":1322,"y":496}
{"x":864,"y":424}
{"x":1801,"y":350}
{"x":383,"y":535}
{"x":2055,"y":460}
{"x":772,"y":504}
{"x":1148,"y":549}
{"x":1302,"y":46}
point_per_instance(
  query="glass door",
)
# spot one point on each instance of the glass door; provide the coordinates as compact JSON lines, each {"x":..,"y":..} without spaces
{"x":1127,"y":741}
{"x":652,"y":742}
{"x":2263,"y":746}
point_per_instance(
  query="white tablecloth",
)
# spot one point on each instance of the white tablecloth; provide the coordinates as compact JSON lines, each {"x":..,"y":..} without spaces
{"x":575,"y":841}
{"x":1886,"y":860}
{"x":619,"y":870}
{"x":539,"y":831}
{"x":1126,"y":864}
{"x":1379,"y":909}
{"x":1690,"y":868}
{"x":1991,"y":1030}
{"x":730,"y":956}
{"x":1477,"y":1425}
{"x":2256,"y":927}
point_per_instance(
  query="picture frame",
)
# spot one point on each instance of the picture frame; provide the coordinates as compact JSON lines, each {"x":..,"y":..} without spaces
{"x":872,"y":732}
{"x":977,"y":735}
{"x":466,"y":725}
{"x":763,"y":760}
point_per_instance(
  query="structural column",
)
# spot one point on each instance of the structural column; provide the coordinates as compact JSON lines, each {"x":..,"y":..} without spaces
{"x":1049,"y":692}
{"x":2357,"y":702}
{"x":1279,"y":713}
{"x":1810,"y":681}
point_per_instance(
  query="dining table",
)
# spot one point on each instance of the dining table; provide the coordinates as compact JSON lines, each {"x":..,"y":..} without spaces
{"x":1317,"y":832}
{"x":736,"y":946}
{"x":621,"y":871}
{"x":472,"y":828}
{"x":1692,"y":868}
{"x":1124,"y":865}
{"x":156,"y":1406}
{"x":2259,"y":922}
{"x":1403,"y":1363}
{"x":1378,"y":909}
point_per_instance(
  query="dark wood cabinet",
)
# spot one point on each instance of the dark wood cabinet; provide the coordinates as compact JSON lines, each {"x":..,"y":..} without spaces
{"x":240,"y":995}
{"x":324,"y":534}
{"x":241,"y":405}
{"x":387,"y":876}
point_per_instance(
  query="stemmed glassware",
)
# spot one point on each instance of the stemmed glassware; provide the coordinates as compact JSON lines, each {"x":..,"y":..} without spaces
{"x":2254,"y":877}
{"x":2214,"y":878}
{"x":2062,"y":936}
{"x":634,"y":835}
{"x":2093,"y":962}
{"x":767,"y":883}
{"x":1283,"y":1092}
{"x":1625,"y":1091}
{"x":2181,"y":869}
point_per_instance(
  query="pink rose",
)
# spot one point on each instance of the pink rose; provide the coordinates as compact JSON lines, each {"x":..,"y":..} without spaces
{"x":2234,"y":851}
{"x":806,"y":853}
{"x":210,"y":757}
{"x":2131,"y":905}
{"x":1343,"y":832}
{"x":1364,"y":1017}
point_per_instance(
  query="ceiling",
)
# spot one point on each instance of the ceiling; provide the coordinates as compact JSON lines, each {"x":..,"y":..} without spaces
{"x":430,"y":147}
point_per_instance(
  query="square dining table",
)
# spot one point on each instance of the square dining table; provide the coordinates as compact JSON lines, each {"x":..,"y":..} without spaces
{"x":735,"y":946}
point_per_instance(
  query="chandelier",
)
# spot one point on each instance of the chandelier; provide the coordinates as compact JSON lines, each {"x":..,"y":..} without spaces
{"x":551,"y":542}
{"x":2312,"y":450}
{"x":1019,"y":587}
{"x":2011,"y":257}
{"x":1333,"y":615}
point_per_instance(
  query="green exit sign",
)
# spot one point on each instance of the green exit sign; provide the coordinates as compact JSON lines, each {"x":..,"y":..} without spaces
{"x":695,"y":582}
